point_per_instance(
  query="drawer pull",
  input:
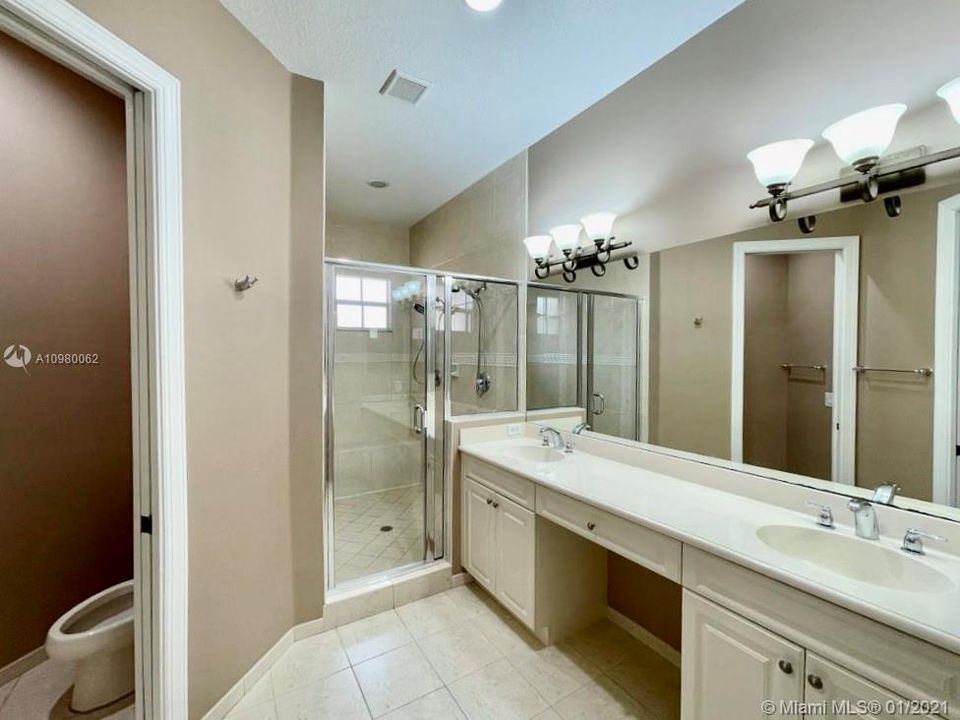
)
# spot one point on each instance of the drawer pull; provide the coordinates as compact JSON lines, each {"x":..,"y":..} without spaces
{"x":591,"y":525}
{"x":786,"y":667}
{"x":815,"y":682}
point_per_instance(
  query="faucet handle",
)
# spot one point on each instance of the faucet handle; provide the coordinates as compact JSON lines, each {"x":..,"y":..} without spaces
{"x":884,"y":494}
{"x":913,"y":541}
{"x":825,"y":516}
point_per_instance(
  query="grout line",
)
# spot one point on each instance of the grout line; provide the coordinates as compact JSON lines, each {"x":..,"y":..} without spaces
{"x":13,"y":688}
{"x":363,"y":696}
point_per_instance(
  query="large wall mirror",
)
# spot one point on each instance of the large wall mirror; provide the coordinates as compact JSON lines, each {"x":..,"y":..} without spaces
{"x":800,"y":356}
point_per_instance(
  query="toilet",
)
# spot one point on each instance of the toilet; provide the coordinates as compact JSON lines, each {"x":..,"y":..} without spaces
{"x":97,"y":635}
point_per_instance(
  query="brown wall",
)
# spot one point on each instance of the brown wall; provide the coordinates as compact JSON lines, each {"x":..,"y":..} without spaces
{"x":237,"y":175}
{"x":650,"y":600}
{"x":66,"y":530}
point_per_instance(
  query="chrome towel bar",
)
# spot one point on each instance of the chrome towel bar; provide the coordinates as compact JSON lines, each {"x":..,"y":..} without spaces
{"x":922,"y":372}
{"x":790,"y":366}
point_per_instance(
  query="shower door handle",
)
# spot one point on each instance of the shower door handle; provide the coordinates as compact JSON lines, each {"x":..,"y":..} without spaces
{"x":418,"y":418}
{"x":599,"y":403}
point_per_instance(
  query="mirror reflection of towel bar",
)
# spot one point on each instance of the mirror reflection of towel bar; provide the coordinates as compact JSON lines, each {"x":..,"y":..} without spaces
{"x":790,"y":366}
{"x":923,"y":372}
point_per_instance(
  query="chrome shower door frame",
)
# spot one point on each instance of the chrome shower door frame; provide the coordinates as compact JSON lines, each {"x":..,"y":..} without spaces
{"x":431,"y":473}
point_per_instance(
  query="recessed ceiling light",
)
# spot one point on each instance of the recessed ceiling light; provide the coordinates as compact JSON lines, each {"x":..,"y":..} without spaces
{"x":378,"y":184}
{"x":483,"y":5}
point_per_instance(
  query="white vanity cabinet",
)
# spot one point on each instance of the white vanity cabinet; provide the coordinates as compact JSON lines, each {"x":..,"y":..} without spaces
{"x":499,"y":545}
{"x":730,"y":666}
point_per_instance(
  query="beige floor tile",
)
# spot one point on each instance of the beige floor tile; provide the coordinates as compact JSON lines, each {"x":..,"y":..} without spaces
{"x":5,"y":691}
{"x":600,"y":700}
{"x":307,"y":661}
{"x":555,"y":671}
{"x":438,"y":705}
{"x":262,"y":711}
{"x":458,"y":651}
{"x":505,"y":632}
{"x":605,"y":645}
{"x":652,"y":681}
{"x":550,"y":714}
{"x":260,"y":693}
{"x":472,"y":599}
{"x":430,"y":615}
{"x":373,"y":636}
{"x":392,"y":680}
{"x":337,"y":696}
{"x":497,"y":692}
{"x":40,"y":692}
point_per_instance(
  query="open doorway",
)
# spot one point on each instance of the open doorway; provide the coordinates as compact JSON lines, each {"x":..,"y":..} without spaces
{"x":93,"y":282}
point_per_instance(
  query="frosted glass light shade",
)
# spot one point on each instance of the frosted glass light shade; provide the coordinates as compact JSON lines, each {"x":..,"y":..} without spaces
{"x":538,"y":246}
{"x":865,"y":134}
{"x":483,"y":5}
{"x":778,"y":163}
{"x":599,"y":225}
{"x":951,"y":93}
{"x":567,"y":237}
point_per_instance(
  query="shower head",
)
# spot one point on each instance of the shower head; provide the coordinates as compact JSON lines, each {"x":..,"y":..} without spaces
{"x":472,"y":292}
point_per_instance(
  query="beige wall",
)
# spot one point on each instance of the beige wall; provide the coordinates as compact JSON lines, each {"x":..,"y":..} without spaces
{"x":236,"y":122}
{"x":373,"y":242}
{"x":481,"y":230}
{"x":306,"y":346}
{"x":66,"y":513}
{"x":650,"y":600}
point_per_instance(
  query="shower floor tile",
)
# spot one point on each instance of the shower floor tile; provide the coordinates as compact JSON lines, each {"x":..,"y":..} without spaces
{"x":361,"y":545}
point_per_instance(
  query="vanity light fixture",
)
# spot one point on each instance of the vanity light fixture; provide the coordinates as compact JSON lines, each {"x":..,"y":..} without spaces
{"x":483,"y":5}
{"x":594,"y":252}
{"x":859,"y":140}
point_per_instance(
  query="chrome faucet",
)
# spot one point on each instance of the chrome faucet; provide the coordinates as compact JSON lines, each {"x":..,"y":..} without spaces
{"x":551,"y":437}
{"x":864,"y":519}
{"x":913,"y":541}
{"x":580,"y":427}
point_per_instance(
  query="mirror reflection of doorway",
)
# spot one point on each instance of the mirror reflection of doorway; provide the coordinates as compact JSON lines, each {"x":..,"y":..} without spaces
{"x":793,"y":380}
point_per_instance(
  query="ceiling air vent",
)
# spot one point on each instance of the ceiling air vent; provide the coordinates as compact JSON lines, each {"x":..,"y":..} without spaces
{"x":404,"y":87}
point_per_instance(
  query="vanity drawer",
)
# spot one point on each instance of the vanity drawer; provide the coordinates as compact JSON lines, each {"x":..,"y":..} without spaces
{"x":645,"y":547}
{"x":513,"y":487}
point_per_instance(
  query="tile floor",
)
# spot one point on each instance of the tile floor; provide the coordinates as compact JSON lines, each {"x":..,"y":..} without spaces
{"x":459,"y":656}
{"x":361,"y":547}
{"x":43,"y":693}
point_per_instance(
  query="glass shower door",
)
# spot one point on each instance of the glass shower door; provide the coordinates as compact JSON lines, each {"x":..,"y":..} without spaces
{"x":381,"y":385}
{"x":613,"y":352}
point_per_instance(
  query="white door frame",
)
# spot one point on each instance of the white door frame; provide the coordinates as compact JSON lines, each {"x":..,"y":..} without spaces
{"x":946,"y":485}
{"x":846,"y":301}
{"x":65,"y":34}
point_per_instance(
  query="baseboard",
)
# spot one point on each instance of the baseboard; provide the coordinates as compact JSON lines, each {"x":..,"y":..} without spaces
{"x":344,"y":609}
{"x":21,"y":665}
{"x":664,"y":650}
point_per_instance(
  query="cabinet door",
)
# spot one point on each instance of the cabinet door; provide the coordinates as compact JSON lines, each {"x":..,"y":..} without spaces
{"x":515,"y":558}
{"x":479,"y":518}
{"x":730,"y":667}
{"x":843,"y":695}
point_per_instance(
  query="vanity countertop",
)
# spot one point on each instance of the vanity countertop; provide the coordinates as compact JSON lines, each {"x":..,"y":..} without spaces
{"x":726,"y":525}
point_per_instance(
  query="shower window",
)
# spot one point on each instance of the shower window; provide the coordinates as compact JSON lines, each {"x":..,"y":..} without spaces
{"x":363,"y":302}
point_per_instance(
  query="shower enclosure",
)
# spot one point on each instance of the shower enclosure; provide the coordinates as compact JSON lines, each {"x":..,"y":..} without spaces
{"x":583,"y":350}
{"x":390,"y":386}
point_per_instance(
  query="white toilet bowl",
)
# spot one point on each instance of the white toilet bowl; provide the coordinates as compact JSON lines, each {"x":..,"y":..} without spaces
{"x":97,"y":635}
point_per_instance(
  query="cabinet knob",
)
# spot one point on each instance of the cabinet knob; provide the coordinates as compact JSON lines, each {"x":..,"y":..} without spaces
{"x":816,"y":682}
{"x":591,"y":525}
{"x":489,"y":501}
{"x":496,"y":505}
{"x":786,"y":667}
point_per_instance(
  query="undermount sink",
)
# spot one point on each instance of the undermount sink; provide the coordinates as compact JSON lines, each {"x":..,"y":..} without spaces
{"x":534,"y":454}
{"x":863,"y":560}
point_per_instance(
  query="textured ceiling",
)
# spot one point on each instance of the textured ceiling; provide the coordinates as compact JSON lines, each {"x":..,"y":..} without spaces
{"x":500,"y":81}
